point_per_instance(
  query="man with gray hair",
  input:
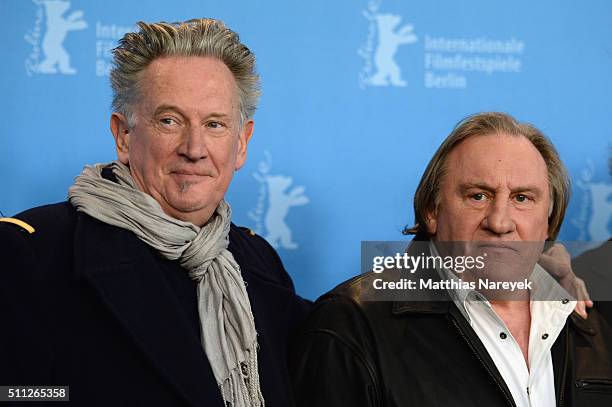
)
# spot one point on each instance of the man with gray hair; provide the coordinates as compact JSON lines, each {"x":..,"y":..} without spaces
{"x":139,"y":290}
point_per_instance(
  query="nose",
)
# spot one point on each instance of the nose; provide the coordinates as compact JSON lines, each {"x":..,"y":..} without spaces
{"x":193,"y":144}
{"x":498,"y":218}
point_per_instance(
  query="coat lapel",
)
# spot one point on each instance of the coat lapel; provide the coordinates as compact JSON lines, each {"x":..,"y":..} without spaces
{"x":128,"y":279}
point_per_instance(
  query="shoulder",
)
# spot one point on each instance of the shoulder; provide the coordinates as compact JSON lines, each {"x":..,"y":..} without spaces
{"x":353,"y":296}
{"x":243,"y":237}
{"x":339,"y":337}
{"x":344,"y":315}
{"x":597,"y":328}
{"x":256,"y":255}
{"x":268,"y":281}
{"x":595,"y":257}
{"x":36,"y":235}
{"x":602,"y":314}
{"x":40,"y":221}
{"x":593,"y":267}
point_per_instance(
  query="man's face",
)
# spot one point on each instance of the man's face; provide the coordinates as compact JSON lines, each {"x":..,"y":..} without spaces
{"x":495,"y":188}
{"x":186,"y":140}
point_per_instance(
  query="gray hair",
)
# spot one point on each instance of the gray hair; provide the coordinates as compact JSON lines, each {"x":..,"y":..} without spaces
{"x":198,"y":37}
{"x":426,"y":197}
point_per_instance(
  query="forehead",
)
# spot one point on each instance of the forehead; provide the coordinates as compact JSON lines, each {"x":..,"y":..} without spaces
{"x":188,"y":82}
{"x":495,"y":159}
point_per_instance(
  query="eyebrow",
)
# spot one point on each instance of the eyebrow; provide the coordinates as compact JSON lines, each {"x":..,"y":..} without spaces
{"x":215,"y":114}
{"x":483,"y":185}
{"x":165,"y":107}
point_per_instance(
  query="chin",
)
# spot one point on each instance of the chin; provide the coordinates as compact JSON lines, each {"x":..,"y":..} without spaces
{"x":188,"y":205}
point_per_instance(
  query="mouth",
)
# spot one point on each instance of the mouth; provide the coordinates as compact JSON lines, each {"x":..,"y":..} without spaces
{"x":498,"y":247}
{"x":188,"y":176}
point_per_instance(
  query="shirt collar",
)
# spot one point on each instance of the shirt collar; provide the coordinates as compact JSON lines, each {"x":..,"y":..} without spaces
{"x":545,"y":289}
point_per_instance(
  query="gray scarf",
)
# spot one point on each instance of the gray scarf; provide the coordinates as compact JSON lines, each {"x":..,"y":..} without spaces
{"x":228,"y":329}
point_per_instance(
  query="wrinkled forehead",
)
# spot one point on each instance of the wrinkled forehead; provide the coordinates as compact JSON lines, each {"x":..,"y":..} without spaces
{"x":192,"y":81}
{"x":498,"y":160}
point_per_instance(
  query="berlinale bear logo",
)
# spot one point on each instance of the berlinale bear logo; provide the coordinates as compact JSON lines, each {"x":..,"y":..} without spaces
{"x":389,"y":39}
{"x":594,"y":224}
{"x":56,"y":58}
{"x":384,"y":38}
{"x":275,"y":199}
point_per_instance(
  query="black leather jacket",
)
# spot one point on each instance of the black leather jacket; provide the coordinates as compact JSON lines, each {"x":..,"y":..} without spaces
{"x":357,"y":353}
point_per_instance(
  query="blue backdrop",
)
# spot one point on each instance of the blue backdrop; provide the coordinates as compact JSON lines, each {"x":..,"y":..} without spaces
{"x":356,"y":97}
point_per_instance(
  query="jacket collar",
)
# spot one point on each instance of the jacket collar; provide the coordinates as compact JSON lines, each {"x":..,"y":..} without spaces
{"x":126,"y":276}
{"x":433,"y":302}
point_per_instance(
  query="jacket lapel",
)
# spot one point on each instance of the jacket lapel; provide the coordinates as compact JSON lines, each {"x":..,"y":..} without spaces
{"x":440,"y":302}
{"x":560,"y":355}
{"x":128,"y":279}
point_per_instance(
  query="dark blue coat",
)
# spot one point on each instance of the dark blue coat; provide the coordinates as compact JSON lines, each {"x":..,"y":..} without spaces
{"x":89,"y":305}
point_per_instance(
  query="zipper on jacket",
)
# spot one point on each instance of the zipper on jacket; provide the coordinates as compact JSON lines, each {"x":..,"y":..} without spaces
{"x":595,"y":385}
{"x":506,"y":396}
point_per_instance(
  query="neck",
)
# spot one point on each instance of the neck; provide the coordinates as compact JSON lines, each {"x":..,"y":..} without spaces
{"x":517,"y":317}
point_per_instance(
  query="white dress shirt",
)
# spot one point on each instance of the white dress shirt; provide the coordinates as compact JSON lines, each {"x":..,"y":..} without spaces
{"x":533,"y":385}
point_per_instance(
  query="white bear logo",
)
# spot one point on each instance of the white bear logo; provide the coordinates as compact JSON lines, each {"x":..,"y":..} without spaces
{"x":598,"y":196}
{"x":601,"y":204}
{"x":271,"y":212}
{"x":389,"y":40}
{"x":279,"y":203}
{"x":56,"y":56}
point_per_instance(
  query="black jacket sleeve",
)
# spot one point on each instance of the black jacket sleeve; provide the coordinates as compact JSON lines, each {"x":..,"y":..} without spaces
{"x":328,"y":367}
{"x":22,"y":343}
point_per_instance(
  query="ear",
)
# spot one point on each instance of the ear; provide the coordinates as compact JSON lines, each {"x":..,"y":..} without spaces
{"x":243,"y":141}
{"x":431,"y":221}
{"x":121,"y":133}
